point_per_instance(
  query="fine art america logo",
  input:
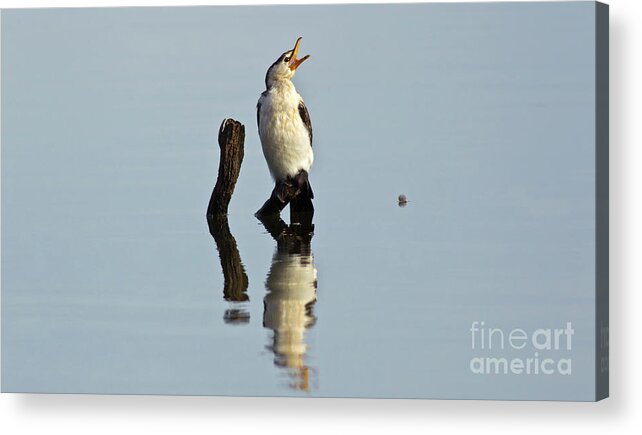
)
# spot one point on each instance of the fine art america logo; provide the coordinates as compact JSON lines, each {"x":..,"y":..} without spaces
{"x":543,"y":351}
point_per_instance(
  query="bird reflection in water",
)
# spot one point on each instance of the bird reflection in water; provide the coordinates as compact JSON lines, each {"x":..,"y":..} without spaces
{"x":235,"y":279}
{"x":291,"y":293}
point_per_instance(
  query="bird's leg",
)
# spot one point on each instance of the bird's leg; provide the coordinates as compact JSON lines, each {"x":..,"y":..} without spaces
{"x":277,"y":201}
{"x":295,"y":191}
{"x":301,"y":208}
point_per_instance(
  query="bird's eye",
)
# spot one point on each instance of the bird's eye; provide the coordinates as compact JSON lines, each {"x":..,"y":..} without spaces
{"x":286,"y":59}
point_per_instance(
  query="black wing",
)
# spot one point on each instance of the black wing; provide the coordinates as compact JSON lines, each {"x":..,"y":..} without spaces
{"x":305,"y":117}
{"x":258,"y":109}
{"x":258,"y":114}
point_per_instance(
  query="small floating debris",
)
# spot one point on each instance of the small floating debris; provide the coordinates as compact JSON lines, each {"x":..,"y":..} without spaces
{"x":403,"y":200}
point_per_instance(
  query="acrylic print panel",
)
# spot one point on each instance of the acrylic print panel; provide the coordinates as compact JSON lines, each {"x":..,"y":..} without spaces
{"x":480,"y":284}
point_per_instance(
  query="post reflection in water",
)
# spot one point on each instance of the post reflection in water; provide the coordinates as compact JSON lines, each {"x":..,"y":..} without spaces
{"x":235,"y":279}
{"x":291,"y":287}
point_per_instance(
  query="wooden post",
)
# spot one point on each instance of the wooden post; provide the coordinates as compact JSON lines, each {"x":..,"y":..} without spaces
{"x":231,"y":138}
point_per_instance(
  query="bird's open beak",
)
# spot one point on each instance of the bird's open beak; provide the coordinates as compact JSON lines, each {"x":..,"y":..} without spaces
{"x":294,"y":62}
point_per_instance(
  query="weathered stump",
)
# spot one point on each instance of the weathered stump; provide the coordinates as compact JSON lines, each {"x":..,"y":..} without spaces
{"x":231,"y":139}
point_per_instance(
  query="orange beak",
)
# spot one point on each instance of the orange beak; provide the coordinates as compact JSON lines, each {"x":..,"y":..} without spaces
{"x":294,"y":62}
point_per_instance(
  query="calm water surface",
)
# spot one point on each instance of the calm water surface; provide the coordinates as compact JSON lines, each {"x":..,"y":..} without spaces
{"x":112,"y":282}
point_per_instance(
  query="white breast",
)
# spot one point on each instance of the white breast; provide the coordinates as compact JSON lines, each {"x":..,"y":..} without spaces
{"x":284,"y":136}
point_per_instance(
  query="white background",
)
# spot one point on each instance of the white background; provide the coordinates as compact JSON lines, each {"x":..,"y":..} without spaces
{"x":51,"y":414}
